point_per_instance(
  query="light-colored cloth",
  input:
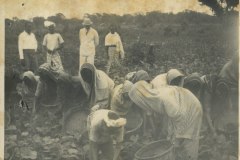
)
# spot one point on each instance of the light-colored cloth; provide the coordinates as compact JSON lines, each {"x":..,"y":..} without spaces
{"x":86,"y":21}
{"x":54,"y":73}
{"x":118,"y":103}
{"x":52,"y":41}
{"x":86,"y":59}
{"x":181,"y":106}
{"x":127,"y":86}
{"x":88,"y":41}
{"x":159,"y":80}
{"x":30,"y":75}
{"x":98,"y":131}
{"x":130,"y":75}
{"x":49,"y":23}
{"x":26,"y":41}
{"x":55,"y":60}
{"x":139,"y":75}
{"x":120,"y":122}
{"x":100,"y":91}
{"x":114,"y":39}
{"x":26,"y":90}
{"x":113,"y":59}
{"x":173,"y":74}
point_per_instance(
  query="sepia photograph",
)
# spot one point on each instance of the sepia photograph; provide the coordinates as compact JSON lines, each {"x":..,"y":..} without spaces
{"x":120,"y":80}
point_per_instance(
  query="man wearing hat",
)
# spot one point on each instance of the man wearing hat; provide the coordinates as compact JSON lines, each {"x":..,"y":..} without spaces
{"x":27,"y":47}
{"x":53,"y":43}
{"x":88,"y":41}
{"x":105,"y":127}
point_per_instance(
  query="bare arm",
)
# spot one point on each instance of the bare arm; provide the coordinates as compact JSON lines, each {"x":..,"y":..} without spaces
{"x":35,"y":104}
{"x":117,"y":150}
{"x":207,"y":108}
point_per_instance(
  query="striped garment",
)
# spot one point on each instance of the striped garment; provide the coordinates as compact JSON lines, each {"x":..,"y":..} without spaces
{"x":55,"y":60}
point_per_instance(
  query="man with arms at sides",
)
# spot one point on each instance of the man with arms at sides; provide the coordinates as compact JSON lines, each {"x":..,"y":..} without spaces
{"x":88,"y":41}
{"x":114,"y":48}
{"x":53,"y":43}
{"x":27,"y":47}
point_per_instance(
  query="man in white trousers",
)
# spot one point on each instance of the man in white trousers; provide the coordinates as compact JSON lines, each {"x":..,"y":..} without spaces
{"x":89,"y":39}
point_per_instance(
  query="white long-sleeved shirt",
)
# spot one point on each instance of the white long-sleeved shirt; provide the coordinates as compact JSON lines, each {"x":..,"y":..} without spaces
{"x":26,"y":41}
{"x":88,"y":41}
{"x":114,"y":39}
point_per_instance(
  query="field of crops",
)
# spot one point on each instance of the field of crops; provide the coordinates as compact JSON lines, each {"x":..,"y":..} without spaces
{"x":188,"y":41}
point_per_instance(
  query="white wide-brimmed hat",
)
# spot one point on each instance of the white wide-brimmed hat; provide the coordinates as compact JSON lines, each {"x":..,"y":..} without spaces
{"x":87,"y":21}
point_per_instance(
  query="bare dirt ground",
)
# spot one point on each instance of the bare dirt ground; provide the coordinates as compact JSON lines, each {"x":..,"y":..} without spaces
{"x":188,"y":41}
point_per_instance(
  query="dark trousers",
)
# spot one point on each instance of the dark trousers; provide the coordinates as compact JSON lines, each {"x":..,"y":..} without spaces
{"x":106,"y":148}
{"x":31,"y":61}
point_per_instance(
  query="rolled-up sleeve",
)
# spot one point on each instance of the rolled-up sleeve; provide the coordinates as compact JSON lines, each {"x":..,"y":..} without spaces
{"x":60,"y":39}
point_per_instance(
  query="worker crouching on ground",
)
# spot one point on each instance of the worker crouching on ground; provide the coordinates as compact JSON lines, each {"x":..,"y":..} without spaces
{"x":203,"y":88}
{"x":105,"y":128}
{"x":97,"y":85}
{"x":48,"y":90}
{"x":27,"y":89}
{"x":137,"y":76}
{"x":173,"y":77}
{"x":182,"y":108}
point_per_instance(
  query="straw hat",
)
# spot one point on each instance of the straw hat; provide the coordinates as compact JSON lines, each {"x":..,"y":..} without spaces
{"x":87,"y":21}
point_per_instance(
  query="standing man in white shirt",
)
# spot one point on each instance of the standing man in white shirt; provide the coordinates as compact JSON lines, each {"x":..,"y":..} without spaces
{"x":27,"y":47}
{"x":89,"y":39}
{"x":53,"y":43}
{"x":114,"y":48}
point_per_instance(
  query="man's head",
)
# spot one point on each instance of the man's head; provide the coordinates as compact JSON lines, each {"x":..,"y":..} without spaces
{"x":87,"y":23}
{"x":140,"y":75}
{"x":50,"y":25}
{"x":51,"y":29}
{"x":112,"y":28}
{"x":87,"y":75}
{"x":28,"y":27}
{"x":175,"y":77}
{"x":114,"y":122}
{"x":87,"y":72}
{"x":28,"y":78}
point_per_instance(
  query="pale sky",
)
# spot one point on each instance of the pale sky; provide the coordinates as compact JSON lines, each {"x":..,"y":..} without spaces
{"x":26,"y":9}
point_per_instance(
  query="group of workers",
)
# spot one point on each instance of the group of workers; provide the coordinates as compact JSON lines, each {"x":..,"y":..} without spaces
{"x":171,"y":103}
{"x":53,"y":45}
